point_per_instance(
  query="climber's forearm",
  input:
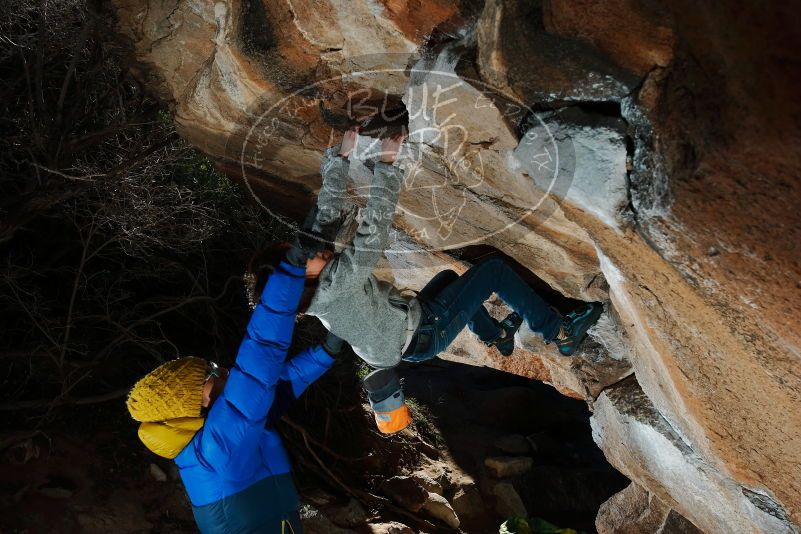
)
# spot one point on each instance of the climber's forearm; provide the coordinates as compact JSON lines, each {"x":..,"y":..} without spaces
{"x":354,"y":264}
{"x":331,"y":199}
{"x":372,"y":235}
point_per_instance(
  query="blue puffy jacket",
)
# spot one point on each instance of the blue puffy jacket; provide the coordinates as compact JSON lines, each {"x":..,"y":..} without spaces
{"x":237,"y":447}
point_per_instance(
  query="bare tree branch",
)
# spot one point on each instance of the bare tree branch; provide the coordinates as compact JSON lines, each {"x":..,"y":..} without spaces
{"x":62,"y":401}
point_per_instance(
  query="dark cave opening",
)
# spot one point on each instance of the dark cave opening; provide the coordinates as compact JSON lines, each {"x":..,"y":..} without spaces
{"x":483,"y":413}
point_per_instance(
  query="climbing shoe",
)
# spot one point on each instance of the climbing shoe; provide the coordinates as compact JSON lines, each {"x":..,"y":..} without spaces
{"x":506,"y":342}
{"x":575,"y":325}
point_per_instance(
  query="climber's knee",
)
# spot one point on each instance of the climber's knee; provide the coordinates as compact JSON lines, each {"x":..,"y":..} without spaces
{"x":448,"y":275}
{"x":494,"y":262}
{"x":440,"y":281}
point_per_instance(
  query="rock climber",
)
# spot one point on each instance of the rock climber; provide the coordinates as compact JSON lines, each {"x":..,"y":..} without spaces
{"x":218,"y":425}
{"x":383,"y":326}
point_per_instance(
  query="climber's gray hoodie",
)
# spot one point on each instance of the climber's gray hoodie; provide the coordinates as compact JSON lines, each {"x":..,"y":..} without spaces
{"x":371,"y":315}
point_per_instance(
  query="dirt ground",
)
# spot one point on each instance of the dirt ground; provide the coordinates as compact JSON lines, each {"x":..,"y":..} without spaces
{"x":87,"y":472}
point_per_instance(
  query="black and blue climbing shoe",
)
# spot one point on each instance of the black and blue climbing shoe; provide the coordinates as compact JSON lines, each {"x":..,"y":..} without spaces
{"x":575,"y":325}
{"x":505,"y":343}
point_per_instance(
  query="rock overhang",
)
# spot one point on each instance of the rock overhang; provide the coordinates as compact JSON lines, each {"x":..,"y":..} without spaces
{"x":594,"y":241}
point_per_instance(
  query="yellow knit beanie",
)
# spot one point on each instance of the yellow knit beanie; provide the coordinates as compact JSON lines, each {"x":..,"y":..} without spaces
{"x":167,"y":402}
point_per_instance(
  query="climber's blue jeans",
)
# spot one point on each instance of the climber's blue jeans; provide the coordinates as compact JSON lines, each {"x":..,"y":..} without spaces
{"x":450,"y":302}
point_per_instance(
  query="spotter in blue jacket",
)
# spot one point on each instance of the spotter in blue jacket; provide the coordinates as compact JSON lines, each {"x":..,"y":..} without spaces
{"x":236,"y":470}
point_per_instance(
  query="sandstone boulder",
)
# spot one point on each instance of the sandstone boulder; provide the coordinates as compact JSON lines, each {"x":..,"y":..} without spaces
{"x":508,"y":502}
{"x":467,"y":502}
{"x":635,"y":511}
{"x":648,"y":449}
{"x":428,"y":483}
{"x":392,"y":527}
{"x":508,"y":466}
{"x":406,"y":492}
{"x":438,"y":507}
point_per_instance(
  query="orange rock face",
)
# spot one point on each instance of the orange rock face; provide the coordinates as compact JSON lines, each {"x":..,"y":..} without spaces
{"x":636,"y":35}
{"x":630,"y":153}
